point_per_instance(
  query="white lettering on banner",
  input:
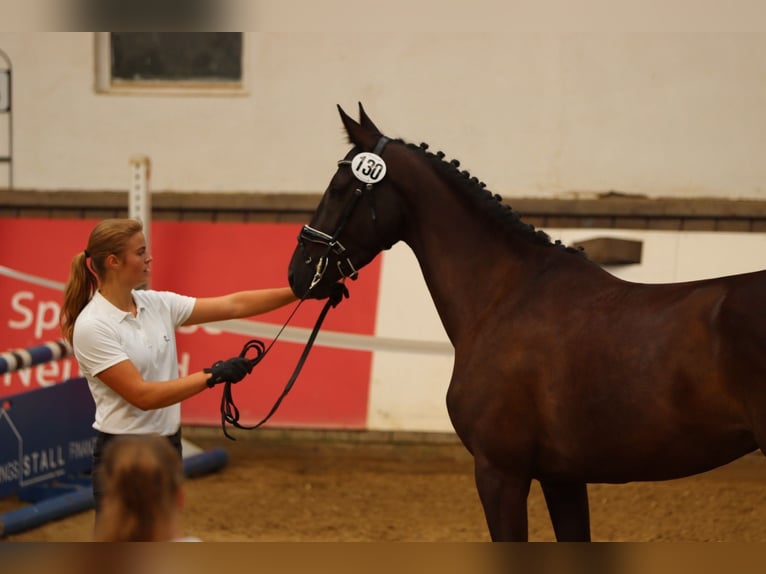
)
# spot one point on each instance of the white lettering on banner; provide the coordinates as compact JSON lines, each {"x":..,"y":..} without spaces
{"x":24,"y":375}
{"x":45,"y":374}
{"x":43,"y":461}
{"x":82,"y":448}
{"x":10,"y":472}
{"x":44,"y":317}
{"x":50,"y":309}
{"x":48,"y":374}
{"x":16,"y":306}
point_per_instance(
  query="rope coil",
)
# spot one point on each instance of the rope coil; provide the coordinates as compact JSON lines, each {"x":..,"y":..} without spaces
{"x":229,"y":411}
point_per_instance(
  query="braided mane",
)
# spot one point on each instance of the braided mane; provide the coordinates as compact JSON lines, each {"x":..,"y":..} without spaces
{"x":487,"y":201}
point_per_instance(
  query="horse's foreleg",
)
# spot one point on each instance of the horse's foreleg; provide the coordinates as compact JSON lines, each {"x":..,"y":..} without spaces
{"x":504,"y":499}
{"x":568,"y":508}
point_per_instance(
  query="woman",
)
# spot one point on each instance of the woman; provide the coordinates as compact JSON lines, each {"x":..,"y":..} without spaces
{"x":124,"y":336}
{"x":143,"y":495}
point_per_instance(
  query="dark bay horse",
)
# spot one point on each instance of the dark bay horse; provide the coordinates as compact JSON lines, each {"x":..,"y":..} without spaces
{"x":562,"y":373}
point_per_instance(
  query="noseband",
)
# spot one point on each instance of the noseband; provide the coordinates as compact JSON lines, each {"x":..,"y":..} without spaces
{"x":369,"y":169}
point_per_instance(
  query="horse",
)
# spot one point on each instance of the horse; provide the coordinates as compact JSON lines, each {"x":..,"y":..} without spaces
{"x":563,"y":373}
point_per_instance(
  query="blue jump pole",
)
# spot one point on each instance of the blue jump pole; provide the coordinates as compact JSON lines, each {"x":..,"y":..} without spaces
{"x":205,"y":462}
{"x":23,"y":358}
{"x":53,"y":508}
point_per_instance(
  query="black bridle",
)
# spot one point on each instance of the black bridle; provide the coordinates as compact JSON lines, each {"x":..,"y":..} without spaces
{"x":313,"y":235}
{"x":229,"y":410}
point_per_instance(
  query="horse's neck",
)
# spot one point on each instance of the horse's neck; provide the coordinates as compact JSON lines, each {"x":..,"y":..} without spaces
{"x":467,"y":265}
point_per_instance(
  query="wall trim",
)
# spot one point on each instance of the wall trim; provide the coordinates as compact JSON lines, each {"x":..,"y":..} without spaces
{"x":607,"y":211}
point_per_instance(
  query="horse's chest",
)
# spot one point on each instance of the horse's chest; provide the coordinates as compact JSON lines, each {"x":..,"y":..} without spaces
{"x":479,"y":404}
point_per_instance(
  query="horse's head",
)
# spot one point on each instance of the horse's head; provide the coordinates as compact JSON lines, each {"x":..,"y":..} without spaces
{"x":358,"y":216}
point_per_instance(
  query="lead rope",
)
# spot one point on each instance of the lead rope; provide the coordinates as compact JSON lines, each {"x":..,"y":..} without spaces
{"x":229,"y":410}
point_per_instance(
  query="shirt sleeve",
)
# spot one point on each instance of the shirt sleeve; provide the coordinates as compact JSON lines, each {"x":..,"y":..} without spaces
{"x":97,"y":347}
{"x":180,"y":306}
{"x":175,"y":308}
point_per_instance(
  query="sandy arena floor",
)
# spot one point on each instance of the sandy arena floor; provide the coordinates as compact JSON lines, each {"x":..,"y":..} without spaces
{"x":294,"y":487}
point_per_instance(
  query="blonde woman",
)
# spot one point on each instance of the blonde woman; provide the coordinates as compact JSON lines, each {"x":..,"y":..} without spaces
{"x":123,"y":336}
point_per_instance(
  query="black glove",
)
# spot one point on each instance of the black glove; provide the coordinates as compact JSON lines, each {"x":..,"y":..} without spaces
{"x":229,"y":371}
{"x":337,"y":292}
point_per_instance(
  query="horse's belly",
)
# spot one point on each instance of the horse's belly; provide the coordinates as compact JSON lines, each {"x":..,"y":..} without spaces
{"x":631,"y":461}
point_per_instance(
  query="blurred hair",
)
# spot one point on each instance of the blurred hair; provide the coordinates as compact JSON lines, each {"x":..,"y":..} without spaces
{"x":142,"y":477}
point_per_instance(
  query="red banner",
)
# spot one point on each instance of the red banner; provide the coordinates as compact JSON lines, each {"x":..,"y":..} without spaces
{"x":199,"y":259}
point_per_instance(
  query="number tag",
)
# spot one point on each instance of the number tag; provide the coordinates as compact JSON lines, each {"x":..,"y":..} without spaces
{"x":368,"y":167}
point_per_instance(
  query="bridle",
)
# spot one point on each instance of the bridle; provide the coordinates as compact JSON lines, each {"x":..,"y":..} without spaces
{"x":229,"y":410}
{"x":313,"y":235}
{"x":346,"y":268}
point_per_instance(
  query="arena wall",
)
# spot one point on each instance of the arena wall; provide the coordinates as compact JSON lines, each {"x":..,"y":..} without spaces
{"x":536,"y":114}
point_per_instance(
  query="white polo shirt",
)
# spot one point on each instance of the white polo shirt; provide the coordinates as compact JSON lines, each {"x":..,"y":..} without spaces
{"x":104,"y":336}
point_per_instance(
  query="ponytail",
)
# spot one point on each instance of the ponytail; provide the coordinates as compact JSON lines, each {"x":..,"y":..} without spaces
{"x":79,"y":289}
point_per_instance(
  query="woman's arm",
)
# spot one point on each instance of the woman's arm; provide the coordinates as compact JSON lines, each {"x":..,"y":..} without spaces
{"x":240,"y":304}
{"x":124,"y":379}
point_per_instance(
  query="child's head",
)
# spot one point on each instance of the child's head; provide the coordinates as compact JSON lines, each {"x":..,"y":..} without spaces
{"x":142,"y":477}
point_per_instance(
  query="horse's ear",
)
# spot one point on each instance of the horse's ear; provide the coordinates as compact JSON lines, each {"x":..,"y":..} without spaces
{"x":366,"y":121}
{"x":357,"y":134}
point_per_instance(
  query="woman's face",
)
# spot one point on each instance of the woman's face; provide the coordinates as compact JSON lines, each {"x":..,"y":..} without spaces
{"x":135,"y":263}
